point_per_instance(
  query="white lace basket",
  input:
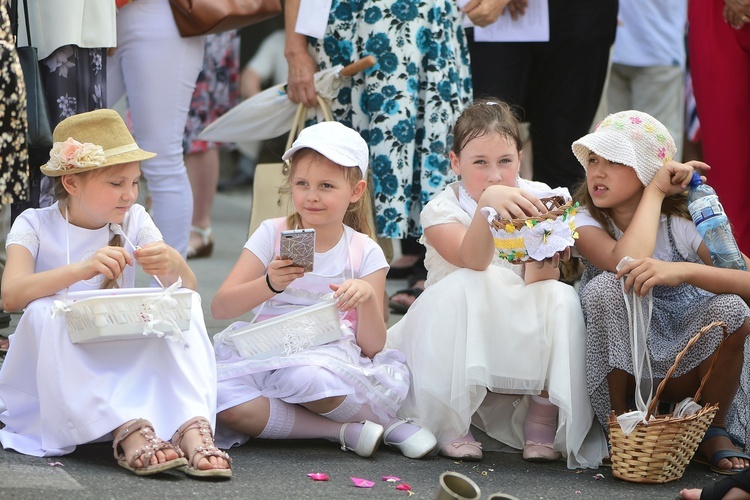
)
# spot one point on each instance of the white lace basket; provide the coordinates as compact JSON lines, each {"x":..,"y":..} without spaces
{"x":283,"y":335}
{"x":128,"y":316}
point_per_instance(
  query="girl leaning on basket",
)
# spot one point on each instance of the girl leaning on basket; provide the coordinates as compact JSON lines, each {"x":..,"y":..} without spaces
{"x":633,"y":205}
{"x":348,"y":390}
{"x":55,"y":395}
{"x":492,"y":343}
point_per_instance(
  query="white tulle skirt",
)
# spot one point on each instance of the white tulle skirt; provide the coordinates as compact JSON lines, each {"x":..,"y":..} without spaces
{"x":55,"y":395}
{"x":474,"y":332}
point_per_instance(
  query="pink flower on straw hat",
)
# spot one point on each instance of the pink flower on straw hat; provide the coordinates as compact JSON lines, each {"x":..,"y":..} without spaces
{"x":72,"y":155}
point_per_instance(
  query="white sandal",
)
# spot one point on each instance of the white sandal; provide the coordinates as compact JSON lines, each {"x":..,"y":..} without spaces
{"x":207,"y":243}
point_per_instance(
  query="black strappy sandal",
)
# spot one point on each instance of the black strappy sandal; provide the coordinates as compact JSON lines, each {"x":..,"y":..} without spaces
{"x":719,"y":489}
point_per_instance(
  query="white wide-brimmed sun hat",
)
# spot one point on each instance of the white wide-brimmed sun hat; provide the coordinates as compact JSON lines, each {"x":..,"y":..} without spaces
{"x":631,"y":138}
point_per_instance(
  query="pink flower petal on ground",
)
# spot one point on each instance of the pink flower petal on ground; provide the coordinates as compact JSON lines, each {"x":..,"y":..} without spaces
{"x":318,"y":476}
{"x":54,"y":464}
{"x":362,"y":483}
{"x":391,"y":479}
{"x":403,"y":487}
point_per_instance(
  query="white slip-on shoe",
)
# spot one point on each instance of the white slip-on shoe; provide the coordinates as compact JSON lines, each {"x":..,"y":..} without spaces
{"x":417,"y":445}
{"x":369,"y":439}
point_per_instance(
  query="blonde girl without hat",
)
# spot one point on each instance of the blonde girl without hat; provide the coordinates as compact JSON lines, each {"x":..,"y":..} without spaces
{"x":349,"y":390}
{"x":56,"y":394}
{"x":634,"y":205}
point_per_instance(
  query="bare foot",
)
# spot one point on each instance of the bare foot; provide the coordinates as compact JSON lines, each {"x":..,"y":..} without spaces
{"x":197,"y":440}
{"x":135,"y":441}
{"x":405,"y":261}
{"x":710,"y":446}
{"x":193,"y":439}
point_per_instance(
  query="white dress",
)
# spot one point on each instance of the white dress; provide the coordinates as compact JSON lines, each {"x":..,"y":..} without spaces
{"x":474,"y":331}
{"x":55,"y":395}
{"x":334,"y":369}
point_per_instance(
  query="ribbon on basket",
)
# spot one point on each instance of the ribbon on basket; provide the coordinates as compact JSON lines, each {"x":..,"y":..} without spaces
{"x":639,"y":320}
{"x":59,"y":308}
{"x":160,"y":304}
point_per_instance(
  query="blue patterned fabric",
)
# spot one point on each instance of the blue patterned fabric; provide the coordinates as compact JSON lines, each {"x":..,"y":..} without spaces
{"x":406,"y":104}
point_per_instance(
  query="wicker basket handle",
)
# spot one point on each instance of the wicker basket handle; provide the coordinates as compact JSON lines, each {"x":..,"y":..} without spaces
{"x":693,"y":340}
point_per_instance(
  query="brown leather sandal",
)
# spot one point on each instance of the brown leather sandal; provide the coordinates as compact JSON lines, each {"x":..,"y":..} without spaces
{"x":205,"y":450}
{"x":145,"y":452}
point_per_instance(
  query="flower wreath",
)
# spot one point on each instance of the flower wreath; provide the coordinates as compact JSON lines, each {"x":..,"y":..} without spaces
{"x":534,"y":238}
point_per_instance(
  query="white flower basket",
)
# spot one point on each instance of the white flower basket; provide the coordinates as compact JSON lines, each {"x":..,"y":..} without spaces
{"x":283,"y":335}
{"x":128,"y":316}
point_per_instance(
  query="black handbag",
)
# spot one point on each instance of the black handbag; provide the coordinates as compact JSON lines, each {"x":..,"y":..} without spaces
{"x":40,"y":133}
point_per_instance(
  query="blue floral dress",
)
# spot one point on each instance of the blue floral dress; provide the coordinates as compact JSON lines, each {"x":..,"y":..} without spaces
{"x":405,"y":105}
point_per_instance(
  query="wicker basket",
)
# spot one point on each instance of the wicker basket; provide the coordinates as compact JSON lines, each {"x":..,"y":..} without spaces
{"x":128,"y":316}
{"x":660,"y":451}
{"x":510,"y":234}
{"x":289,"y":333}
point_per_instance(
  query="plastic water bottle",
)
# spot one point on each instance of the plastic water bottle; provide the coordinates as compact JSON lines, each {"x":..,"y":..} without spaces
{"x":713,"y":225}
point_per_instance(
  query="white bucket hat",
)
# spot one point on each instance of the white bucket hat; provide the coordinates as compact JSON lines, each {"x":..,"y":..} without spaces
{"x":339,"y":143}
{"x":632,"y":138}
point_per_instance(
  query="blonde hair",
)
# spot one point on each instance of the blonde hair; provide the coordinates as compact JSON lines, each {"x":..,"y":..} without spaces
{"x":356,"y":214}
{"x":62,"y":196}
{"x":483,"y":117}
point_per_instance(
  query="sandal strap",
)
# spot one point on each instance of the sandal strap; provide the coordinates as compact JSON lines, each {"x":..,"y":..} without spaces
{"x":205,"y":234}
{"x":207,"y":449}
{"x":397,"y":423}
{"x":145,"y":452}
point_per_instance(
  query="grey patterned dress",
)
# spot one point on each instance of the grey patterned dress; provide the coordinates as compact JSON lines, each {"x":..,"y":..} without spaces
{"x":678,"y":313}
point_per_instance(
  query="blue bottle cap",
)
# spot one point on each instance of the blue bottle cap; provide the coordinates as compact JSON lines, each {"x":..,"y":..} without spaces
{"x":696,"y":180}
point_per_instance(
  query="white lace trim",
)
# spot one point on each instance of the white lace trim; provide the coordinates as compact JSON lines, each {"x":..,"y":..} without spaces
{"x":148,"y":233}
{"x":28,"y":240}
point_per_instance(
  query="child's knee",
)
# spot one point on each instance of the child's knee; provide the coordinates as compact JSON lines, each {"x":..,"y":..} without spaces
{"x":229,"y":417}
{"x":736,"y":341}
{"x":603,"y":290}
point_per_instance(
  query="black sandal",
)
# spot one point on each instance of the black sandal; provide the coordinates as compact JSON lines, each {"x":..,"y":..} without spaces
{"x":719,"y":489}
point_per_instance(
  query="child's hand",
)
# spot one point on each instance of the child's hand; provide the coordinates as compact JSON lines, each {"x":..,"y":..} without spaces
{"x":644,"y":274}
{"x":158,"y":258}
{"x":107,"y":261}
{"x":281,"y":273}
{"x":511,"y":202}
{"x":352,"y":293}
{"x":673,"y":177}
{"x":555,"y":260}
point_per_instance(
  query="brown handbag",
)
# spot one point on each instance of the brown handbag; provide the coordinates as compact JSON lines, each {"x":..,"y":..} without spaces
{"x":203,"y":17}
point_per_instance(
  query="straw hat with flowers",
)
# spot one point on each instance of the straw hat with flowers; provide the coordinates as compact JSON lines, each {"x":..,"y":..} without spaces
{"x":92,"y":140}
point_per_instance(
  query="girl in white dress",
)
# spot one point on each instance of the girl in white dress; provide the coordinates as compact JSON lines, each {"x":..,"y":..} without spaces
{"x":347,"y":390}
{"x":491,"y":343}
{"x":54,"y":394}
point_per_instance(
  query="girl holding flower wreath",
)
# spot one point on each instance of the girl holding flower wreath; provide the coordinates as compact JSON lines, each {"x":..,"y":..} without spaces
{"x":505,"y":348}
{"x":54,"y":394}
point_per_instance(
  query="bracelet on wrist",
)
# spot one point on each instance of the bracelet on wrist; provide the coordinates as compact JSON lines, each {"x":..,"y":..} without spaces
{"x":270,"y":287}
